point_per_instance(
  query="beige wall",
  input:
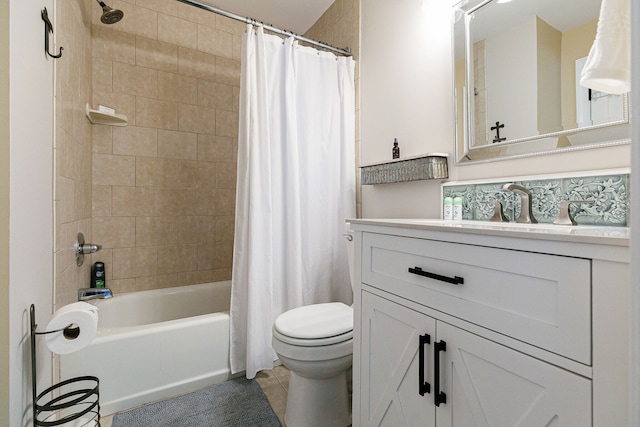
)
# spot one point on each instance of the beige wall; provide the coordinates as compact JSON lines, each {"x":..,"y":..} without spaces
{"x":576,"y":44}
{"x":164,"y":186}
{"x":72,"y":149}
{"x":460,"y":83}
{"x":548,"y":80}
{"x":339,"y":26}
{"x":480,"y":124}
{"x":4,"y":214}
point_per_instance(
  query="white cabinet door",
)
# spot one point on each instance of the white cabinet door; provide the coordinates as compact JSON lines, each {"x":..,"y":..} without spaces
{"x":484,"y":384}
{"x":490,"y":385}
{"x":390,"y":365}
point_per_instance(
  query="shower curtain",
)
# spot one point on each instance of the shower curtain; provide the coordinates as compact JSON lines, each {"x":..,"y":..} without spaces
{"x":295,"y":188}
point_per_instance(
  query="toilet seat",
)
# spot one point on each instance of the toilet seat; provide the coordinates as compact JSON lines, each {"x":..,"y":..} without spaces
{"x":315,"y":342}
{"x":315,"y":325}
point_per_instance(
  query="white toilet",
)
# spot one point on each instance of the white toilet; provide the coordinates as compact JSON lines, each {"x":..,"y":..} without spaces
{"x":316,"y":343}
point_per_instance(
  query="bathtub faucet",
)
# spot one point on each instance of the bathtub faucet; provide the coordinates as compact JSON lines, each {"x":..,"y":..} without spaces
{"x":85,"y":294}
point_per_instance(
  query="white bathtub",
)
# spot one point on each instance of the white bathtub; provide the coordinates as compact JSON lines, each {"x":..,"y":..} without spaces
{"x":155,"y":344}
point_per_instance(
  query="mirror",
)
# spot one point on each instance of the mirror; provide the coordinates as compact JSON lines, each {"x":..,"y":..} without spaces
{"x":517,"y":67}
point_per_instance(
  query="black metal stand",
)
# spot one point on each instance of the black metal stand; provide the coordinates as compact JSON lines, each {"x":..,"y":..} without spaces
{"x":70,"y":404}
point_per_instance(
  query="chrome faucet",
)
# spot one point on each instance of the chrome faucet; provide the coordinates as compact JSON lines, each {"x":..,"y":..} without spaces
{"x":498,"y":212}
{"x":565,"y":217}
{"x":86,"y":294}
{"x":526,"y":213}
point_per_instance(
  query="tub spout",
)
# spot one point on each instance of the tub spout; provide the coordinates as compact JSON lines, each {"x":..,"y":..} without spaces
{"x":86,"y":294}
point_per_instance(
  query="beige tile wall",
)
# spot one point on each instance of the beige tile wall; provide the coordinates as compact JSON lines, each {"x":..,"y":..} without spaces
{"x":159,"y":194}
{"x":339,"y":26}
{"x":72,"y":148}
{"x":164,"y":186}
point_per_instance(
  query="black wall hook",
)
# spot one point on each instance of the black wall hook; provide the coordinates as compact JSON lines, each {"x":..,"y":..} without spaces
{"x":48,"y":28}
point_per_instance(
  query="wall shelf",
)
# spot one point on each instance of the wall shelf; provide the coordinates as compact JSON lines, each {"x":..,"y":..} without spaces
{"x":103,"y":118}
{"x":426,"y":166}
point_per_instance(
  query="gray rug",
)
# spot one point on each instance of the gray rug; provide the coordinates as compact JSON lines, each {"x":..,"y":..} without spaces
{"x":235,"y":403}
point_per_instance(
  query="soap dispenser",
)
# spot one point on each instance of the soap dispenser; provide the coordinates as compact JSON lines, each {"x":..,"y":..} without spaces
{"x":395,"y":151}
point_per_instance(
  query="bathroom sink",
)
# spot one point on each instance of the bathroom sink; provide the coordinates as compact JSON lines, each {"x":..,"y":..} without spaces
{"x":520,"y":225}
{"x":587,"y":230}
{"x":490,"y":224}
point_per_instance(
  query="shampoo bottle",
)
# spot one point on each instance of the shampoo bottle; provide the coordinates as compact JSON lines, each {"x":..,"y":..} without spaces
{"x":97,"y":275}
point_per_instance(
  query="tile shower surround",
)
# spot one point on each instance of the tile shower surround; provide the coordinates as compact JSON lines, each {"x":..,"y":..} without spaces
{"x":163,"y":188}
{"x":610,"y":192}
{"x":72,"y":149}
{"x":159,"y":195}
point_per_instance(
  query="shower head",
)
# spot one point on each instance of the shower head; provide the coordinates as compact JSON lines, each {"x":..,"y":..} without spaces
{"x":109,"y":15}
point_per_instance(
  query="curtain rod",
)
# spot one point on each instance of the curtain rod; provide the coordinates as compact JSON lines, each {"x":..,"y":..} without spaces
{"x":345,"y":52}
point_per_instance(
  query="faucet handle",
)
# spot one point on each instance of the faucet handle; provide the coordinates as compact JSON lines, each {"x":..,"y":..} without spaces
{"x":81,"y":249}
{"x":498,"y":212}
{"x":565,"y":217}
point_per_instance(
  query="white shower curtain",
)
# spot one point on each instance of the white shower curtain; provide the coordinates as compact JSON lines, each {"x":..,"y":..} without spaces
{"x":296,"y":187}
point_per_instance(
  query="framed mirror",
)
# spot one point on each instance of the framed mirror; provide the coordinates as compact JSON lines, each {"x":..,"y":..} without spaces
{"x":517,"y":67}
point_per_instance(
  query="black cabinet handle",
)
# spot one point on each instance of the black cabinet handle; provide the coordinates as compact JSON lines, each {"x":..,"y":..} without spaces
{"x":456,"y":280}
{"x":423,"y":386}
{"x":438,"y":395}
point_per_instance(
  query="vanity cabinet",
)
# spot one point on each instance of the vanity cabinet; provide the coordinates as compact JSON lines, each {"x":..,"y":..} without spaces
{"x":457,"y":329}
{"x":482,"y":382}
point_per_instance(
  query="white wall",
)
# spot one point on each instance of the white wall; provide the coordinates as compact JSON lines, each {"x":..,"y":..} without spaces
{"x":31,"y":195}
{"x":407,"y":84}
{"x":4,"y":213}
{"x":406,"y":93}
{"x":634,"y":374}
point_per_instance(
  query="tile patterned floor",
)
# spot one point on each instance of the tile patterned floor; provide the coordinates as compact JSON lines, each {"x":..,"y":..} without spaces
{"x":106,"y":421}
{"x":274,"y":383}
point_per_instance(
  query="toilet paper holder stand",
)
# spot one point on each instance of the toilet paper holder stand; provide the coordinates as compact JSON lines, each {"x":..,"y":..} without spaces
{"x":67,"y":405}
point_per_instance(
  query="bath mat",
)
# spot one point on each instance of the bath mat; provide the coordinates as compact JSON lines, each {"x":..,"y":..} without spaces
{"x":235,"y":403}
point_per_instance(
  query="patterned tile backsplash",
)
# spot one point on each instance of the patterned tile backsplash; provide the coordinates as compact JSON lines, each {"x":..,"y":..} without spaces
{"x":609,"y":192}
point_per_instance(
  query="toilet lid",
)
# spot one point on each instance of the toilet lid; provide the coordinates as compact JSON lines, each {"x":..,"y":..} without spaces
{"x":316,"y":321}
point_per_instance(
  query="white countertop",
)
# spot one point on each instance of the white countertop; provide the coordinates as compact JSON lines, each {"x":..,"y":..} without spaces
{"x":599,"y":235}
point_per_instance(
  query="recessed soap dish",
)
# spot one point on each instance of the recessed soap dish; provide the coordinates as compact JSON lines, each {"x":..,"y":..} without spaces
{"x":105,"y":118}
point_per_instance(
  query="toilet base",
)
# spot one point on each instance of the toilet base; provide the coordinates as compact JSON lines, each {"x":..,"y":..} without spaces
{"x":320,"y":402}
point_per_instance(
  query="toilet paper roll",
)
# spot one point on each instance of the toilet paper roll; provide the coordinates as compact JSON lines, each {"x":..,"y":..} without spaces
{"x":82,"y":315}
